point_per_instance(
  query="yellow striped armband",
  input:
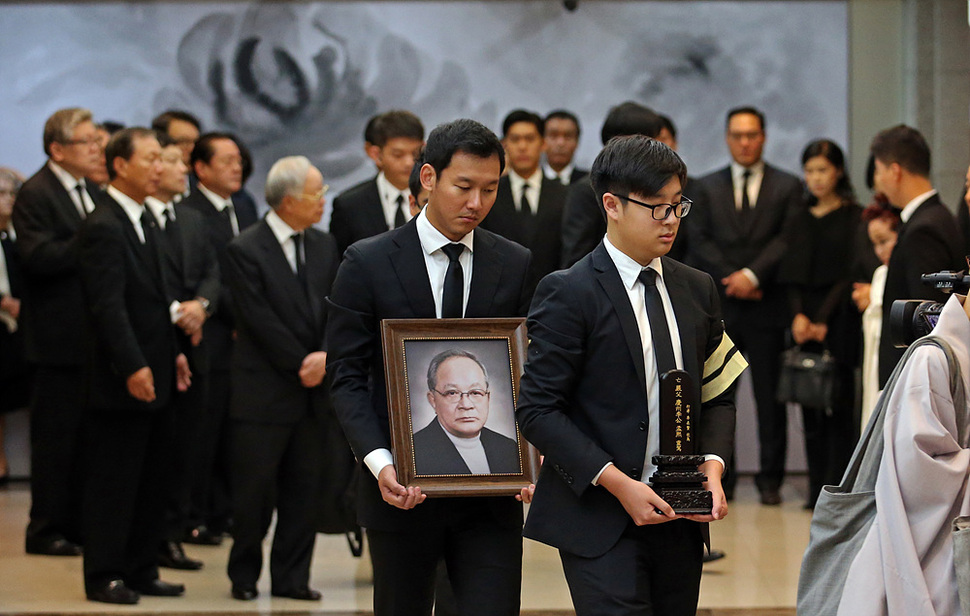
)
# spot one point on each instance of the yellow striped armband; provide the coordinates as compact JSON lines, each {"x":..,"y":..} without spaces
{"x":721,"y":369}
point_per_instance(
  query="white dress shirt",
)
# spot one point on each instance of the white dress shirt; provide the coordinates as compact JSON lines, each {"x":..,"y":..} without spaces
{"x":158,"y":209}
{"x":284,"y":235}
{"x":132,"y":209}
{"x":389,"y":194}
{"x":534,"y":181}
{"x":84,"y":204}
{"x":5,"y":291}
{"x":913,"y":205}
{"x":563,"y":176}
{"x":436,"y":262}
{"x":220,"y":204}
{"x":754,"y":182}
{"x":630,"y":275}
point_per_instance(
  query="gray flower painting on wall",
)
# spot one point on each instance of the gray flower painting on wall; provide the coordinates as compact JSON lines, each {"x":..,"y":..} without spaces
{"x":291,"y":77}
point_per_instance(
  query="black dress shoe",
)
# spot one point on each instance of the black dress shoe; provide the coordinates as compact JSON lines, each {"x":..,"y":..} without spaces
{"x":244,"y":593}
{"x":158,"y":588}
{"x":301,"y":594}
{"x":770,"y":496}
{"x":53,"y":547}
{"x":114,"y":591}
{"x":200,"y":535}
{"x":712,"y":555}
{"x":172,"y":556}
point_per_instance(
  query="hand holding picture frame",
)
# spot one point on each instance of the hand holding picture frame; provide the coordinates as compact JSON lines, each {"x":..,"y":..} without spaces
{"x":452,"y":386}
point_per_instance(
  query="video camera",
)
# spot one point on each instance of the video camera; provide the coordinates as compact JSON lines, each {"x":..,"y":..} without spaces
{"x":910,"y":319}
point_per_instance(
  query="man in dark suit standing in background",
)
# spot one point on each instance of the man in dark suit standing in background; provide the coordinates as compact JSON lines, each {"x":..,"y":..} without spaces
{"x":381,"y":203}
{"x":562,"y":138}
{"x":437,"y":265}
{"x":583,"y":219}
{"x":280,"y":272}
{"x":738,"y":240}
{"x":929,"y":239}
{"x":47,"y":215}
{"x":217,"y":163}
{"x":192,"y":279}
{"x":602,"y":333}
{"x":133,"y":371}
{"x":528,"y":207}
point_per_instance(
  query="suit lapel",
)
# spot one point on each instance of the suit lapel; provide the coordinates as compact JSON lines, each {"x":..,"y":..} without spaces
{"x":317,"y":266}
{"x":407,"y":260}
{"x":487,"y":267}
{"x":724,"y":197}
{"x":281,"y":270}
{"x":765,"y":196}
{"x":609,"y":278}
{"x":142,"y":251}
{"x":63,"y":200}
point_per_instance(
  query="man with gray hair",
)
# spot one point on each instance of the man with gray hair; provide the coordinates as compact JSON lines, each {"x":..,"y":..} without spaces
{"x":456,"y":442}
{"x":47,"y":216}
{"x":279,"y":272}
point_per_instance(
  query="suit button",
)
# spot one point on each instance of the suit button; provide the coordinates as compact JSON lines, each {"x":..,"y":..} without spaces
{"x":635,"y":473}
{"x":643,"y":426}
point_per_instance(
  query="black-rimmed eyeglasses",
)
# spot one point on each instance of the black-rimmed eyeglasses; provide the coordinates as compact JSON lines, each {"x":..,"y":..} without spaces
{"x":679,"y":209}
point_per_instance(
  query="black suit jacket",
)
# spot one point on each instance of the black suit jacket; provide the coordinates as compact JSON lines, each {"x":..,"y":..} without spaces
{"x":582,"y":399}
{"x":583,"y":222}
{"x":191,"y":270}
{"x":930,"y":241}
{"x":129,"y":307}
{"x":278,"y":323}
{"x":435,"y":454}
{"x":720,"y":244}
{"x":218,"y":329}
{"x":357,"y":214}
{"x":47,"y":224}
{"x":542,"y":235}
{"x":385,"y":277}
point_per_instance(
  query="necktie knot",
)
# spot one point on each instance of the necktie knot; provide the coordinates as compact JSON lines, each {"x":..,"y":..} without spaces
{"x":400,"y":219}
{"x":648,"y":277}
{"x":453,"y":251}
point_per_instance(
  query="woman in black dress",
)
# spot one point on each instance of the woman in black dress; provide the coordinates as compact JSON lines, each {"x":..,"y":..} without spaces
{"x":818,"y":272}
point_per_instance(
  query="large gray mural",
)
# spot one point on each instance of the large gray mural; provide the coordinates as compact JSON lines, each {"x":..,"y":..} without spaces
{"x":304,"y":77}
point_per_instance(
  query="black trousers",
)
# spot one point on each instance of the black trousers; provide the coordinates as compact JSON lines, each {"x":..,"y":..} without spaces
{"x":483,"y":561}
{"x":275,"y":466}
{"x":652,"y":571}
{"x":187,"y":457}
{"x":55,"y":455}
{"x":211,"y":500}
{"x":830,"y":437}
{"x":127,"y":460}
{"x":762,"y":347}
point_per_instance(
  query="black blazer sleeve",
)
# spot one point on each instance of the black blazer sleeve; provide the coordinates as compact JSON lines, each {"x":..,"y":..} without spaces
{"x":352,"y":332}
{"x":44,"y":250}
{"x":583,"y":223}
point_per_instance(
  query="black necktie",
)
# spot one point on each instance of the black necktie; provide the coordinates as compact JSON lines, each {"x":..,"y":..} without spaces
{"x":227,"y":214}
{"x":80,"y":197}
{"x":658,"y":322}
{"x":454,"y":290}
{"x":745,"y":201}
{"x":172,"y":234}
{"x":300,"y":263}
{"x":525,"y":209}
{"x":399,"y":218}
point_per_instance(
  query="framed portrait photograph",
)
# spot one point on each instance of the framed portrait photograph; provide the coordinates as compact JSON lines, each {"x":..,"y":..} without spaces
{"x":452,"y":386}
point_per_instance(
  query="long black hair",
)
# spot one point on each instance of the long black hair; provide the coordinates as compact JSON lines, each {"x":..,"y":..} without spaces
{"x":832,"y":153}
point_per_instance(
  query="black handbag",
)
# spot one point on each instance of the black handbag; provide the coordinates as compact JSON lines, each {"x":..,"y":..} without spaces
{"x":808,"y":378}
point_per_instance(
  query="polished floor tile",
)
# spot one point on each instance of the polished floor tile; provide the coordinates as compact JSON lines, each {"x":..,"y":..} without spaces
{"x":759,"y":576}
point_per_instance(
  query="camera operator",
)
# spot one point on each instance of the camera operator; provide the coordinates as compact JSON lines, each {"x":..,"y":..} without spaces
{"x":929,"y":239}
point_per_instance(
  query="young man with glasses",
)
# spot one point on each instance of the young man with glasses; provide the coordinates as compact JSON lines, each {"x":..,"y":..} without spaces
{"x":601,"y":335}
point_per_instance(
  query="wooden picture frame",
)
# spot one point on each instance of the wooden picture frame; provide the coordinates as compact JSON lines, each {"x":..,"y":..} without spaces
{"x":438,"y":420}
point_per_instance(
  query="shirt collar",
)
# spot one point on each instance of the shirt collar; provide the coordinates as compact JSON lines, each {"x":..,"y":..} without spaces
{"x":278,"y":226}
{"x":913,"y":205}
{"x":431,"y":239}
{"x":737,"y":171}
{"x":65,"y":177}
{"x":562,"y":176}
{"x":516,"y":180}
{"x":158,"y":207}
{"x":388,"y":191}
{"x":132,"y":208}
{"x":628,"y":268}
{"x":218,"y":202}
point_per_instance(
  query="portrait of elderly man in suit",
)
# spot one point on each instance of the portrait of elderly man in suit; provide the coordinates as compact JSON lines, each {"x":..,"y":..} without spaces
{"x":456,"y":442}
